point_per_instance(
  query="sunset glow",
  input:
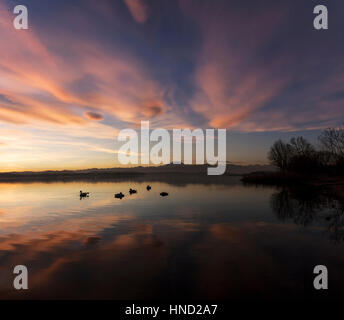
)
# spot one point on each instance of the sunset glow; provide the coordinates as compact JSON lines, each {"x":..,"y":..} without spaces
{"x":86,"y":69}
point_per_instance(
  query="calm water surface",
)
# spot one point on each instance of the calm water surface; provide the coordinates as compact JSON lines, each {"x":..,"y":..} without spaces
{"x":202,"y":241}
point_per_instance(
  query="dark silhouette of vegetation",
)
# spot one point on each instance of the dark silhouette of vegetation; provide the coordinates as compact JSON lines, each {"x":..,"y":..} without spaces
{"x":279,"y":155}
{"x":332,"y":141}
{"x":300,"y":156}
{"x":273,"y":178}
{"x":300,"y":162}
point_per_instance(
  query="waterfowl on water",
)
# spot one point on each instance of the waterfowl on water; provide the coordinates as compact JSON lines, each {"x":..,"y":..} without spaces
{"x":131,"y":191}
{"x":164,"y":194}
{"x":119,"y":195}
{"x":149,"y":187}
{"x":83,"y":194}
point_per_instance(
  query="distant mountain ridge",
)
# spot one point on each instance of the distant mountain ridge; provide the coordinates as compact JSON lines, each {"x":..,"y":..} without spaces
{"x":232,"y":169}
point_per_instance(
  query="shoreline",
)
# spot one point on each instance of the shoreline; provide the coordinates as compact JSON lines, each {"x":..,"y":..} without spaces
{"x":289,"y":178}
{"x":198,"y":172}
{"x":179,"y":178}
{"x":333,"y":184}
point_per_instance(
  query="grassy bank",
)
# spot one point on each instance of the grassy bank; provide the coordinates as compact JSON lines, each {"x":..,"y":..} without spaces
{"x":274,"y":178}
{"x":290,"y":178}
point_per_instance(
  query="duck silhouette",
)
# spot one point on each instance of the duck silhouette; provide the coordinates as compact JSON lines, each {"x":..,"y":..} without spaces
{"x":119,"y":195}
{"x":149,"y":187}
{"x":164,"y":194}
{"x":131,"y":191}
{"x":84,"y":194}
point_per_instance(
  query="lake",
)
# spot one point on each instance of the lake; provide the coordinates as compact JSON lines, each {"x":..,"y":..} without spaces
{"x":221,"y":240}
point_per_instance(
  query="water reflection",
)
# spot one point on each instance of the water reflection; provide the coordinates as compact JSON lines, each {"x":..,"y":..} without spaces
{"x":311,"y":205}
{"x":219,"y":240}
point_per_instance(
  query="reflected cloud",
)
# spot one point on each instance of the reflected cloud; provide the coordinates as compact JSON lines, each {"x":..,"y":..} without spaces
{"x":223,"y":242}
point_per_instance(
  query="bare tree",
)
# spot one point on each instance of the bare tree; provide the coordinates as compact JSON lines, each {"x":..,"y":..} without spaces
{"x":300,"y":156}
{"x":332,"y":140}
{"x":280,"y":154}
{"x":301,"y":147}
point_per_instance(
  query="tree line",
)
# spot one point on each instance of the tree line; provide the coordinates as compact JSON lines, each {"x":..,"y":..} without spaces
{"x":299,"y":155}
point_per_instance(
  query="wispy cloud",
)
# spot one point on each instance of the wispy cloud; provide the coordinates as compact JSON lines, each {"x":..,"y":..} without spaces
{"x":39,"y":85}
{"x":241,"y":66}
{"x":138,"y":10}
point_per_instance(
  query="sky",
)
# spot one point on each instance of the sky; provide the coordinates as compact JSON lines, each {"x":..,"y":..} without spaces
{"x":86,"y":69}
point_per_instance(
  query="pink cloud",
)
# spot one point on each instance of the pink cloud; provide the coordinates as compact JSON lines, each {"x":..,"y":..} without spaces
{"x":40,"y":83}
{"x":229,"y":91}
{"x":138,"y":10}
{"x":237,"y":77}
{"x":231,"y":87}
